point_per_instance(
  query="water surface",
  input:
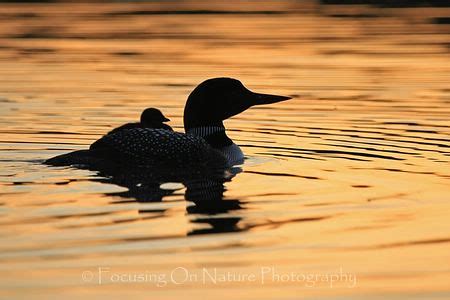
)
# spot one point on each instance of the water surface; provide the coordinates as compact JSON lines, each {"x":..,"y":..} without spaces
{"x":351,"y":176}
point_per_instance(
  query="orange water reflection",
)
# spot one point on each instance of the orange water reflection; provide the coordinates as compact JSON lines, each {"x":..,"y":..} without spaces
{"x":352,"y":173}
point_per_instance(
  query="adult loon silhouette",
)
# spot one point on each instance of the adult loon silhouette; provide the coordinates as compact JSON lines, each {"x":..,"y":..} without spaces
{"x":204,"y":145}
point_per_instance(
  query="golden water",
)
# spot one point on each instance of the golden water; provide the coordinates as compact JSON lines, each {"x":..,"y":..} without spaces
{"x":352,"y":176}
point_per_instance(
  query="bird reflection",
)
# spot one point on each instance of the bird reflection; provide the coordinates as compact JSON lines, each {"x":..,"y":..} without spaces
{"x":204,"y":192}
{"x":207,"y":196}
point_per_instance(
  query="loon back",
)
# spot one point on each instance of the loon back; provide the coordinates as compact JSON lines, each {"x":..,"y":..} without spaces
{"x":140,"y":125}
{"x":157,"y":147}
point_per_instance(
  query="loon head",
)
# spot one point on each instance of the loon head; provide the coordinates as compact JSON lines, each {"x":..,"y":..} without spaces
{"x":152,"y":116}
{"x":218,"y":99}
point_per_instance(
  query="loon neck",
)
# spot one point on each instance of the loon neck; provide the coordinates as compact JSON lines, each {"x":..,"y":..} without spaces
{"x":215,"y":135}
{"x":204,"y":131}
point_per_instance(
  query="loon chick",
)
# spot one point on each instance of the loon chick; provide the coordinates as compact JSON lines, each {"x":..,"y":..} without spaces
{"x":205,"y":143}
{"x":150,"y":118}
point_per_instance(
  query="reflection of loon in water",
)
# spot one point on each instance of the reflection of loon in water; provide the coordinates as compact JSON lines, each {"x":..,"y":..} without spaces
{"x":150,"y":118}
{"x":209,"y":211}
{"x":205,"y":144}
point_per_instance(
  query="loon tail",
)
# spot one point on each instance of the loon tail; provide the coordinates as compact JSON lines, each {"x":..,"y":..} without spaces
{"x":80,"y":157}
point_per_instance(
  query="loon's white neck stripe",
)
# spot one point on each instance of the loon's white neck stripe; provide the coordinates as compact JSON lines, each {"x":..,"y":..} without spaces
{"x":232,"y":152}
{"x":205,"y":130}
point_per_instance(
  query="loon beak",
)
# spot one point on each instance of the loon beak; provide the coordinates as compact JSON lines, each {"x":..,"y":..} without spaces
{"x":166,"y":120}
{"x":258,"y":99}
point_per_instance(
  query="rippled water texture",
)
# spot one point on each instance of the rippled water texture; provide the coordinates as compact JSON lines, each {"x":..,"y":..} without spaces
{"x":350,"y":176}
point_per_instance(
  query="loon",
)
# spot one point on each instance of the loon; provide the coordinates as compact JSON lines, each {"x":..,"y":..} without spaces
{"x":204,"y":145}
{"x":150,"y":118}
